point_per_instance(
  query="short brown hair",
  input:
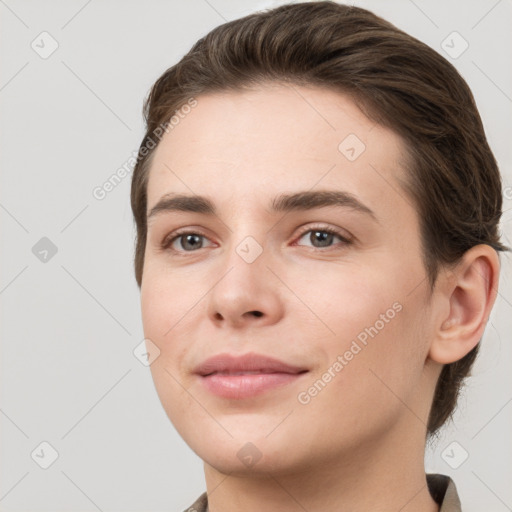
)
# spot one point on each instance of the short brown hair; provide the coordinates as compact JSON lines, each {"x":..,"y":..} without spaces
{"x":397,"y":81}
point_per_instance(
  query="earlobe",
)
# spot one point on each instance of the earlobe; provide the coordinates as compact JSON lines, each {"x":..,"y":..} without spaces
{"x":471,"y":291}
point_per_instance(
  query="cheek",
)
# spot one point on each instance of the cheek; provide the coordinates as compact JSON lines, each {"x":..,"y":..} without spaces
{"x":350,"y":301}
{"x":166,"y":311}
{"x":164,"y":315}
{"x":166,"y":298}
{"x":377,"y":330}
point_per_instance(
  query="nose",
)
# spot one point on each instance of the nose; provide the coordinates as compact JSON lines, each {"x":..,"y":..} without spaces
{"x":248,"y":293}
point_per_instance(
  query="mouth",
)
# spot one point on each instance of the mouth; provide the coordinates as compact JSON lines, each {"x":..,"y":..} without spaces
{"x":248,"y":372}
{"x":246,"y":376}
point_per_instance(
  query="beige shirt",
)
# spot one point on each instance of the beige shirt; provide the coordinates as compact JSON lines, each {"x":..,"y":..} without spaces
{"x":441,"y":487}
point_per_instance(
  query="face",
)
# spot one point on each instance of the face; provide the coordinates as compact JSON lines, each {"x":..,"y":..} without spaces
{"x":331,"y":286}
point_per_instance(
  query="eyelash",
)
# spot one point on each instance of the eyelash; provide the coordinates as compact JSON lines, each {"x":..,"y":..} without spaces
{"x":169,"y":239}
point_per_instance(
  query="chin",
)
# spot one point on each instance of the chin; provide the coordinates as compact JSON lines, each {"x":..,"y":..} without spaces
{"x":247,"y":460}
{"x":248,"y":451}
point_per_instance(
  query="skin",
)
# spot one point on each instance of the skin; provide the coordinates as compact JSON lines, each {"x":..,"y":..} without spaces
{"x":359,"y":443}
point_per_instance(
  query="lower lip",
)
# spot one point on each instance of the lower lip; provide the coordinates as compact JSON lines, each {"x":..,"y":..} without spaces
{"x":248,"y":385}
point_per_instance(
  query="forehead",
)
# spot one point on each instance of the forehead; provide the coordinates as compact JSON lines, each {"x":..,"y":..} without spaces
{"x":276,"y":138}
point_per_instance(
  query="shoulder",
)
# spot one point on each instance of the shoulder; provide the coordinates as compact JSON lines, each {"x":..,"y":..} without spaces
{"x":200,"y":505}
{"x":444,"y":492}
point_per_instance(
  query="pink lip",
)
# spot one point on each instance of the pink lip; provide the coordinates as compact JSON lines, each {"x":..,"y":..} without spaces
{"x":239,"y":377}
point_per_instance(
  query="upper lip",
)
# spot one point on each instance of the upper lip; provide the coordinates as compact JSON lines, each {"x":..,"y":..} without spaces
{"x":251,"y":362}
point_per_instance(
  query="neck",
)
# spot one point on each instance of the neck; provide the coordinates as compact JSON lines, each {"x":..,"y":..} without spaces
{"x":381,"y":476}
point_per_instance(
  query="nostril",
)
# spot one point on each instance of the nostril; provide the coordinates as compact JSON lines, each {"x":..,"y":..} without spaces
{"x":257,"y":313}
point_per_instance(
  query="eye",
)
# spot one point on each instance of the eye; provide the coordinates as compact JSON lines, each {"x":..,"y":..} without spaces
{"x":322,"y":236}
{"x":191,"y":241}
{"x":186,"y":239}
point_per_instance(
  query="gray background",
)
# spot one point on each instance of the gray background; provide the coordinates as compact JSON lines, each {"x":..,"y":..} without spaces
{"x":70,"y":323}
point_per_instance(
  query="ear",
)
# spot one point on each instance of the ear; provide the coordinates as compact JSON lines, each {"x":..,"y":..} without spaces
{"x":470,"y":291}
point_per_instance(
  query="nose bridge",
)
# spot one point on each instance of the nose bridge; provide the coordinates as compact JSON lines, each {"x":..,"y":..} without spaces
{"x":246,"y":259}
{"x":245,"y":289}
{"x":248,"y":230}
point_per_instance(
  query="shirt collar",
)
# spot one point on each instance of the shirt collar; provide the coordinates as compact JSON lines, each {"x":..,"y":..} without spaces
{"x":441,"y":487}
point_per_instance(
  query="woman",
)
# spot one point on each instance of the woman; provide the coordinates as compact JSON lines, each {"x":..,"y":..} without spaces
{"x":317,"y":215}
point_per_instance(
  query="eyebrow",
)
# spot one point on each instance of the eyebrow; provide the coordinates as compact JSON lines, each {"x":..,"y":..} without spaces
{"x":298,"y":201}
